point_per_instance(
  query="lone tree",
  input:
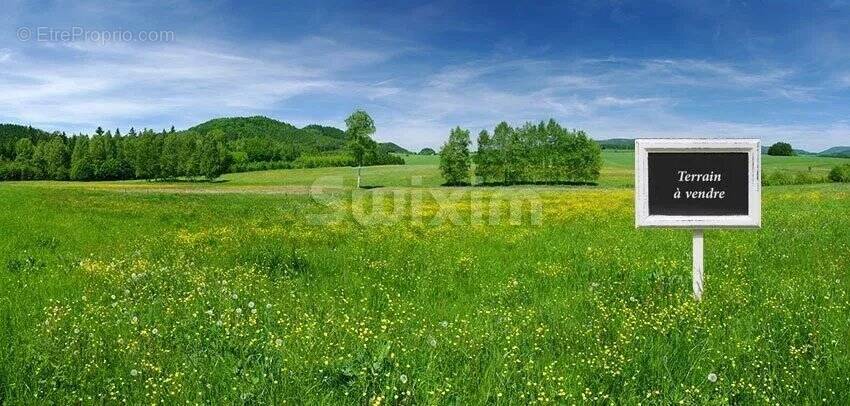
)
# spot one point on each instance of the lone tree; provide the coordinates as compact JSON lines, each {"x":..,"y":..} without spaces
{"x":455,"y":158}
{"x":427,"y":151}
{"x":780,"y":149}
{"x":360,"y":128}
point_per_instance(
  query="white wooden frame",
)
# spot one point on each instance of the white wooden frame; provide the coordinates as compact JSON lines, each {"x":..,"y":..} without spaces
{"x":644,"y":146}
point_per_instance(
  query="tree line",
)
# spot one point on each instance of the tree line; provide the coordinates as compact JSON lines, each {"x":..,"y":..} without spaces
{"x":113,"y":156}
{"x":532,"y":153}
{"x":202,"y":152}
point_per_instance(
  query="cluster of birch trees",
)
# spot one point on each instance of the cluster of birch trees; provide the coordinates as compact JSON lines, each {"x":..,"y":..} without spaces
{"x":533,"y":153}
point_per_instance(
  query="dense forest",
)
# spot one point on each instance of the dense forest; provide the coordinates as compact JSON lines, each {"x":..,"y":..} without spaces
{"x":204,"y":151}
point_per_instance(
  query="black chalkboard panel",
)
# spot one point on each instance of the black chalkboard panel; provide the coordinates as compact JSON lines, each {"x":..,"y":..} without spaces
{"x":698,"y":184}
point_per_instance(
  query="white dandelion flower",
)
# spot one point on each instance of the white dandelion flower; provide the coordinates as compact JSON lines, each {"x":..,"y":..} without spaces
{"x":134,"y":373}
{"x":251,"y":304}
{"x":712,"y":377}
{"x":403,"y":378}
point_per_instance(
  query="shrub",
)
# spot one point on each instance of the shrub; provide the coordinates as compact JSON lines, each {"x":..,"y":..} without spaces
{"x":383,"y":158}
{"x":322,"y":161}
{"x":780,"y":178}
{"x":840,"y":173}
{"x":259,"y":166}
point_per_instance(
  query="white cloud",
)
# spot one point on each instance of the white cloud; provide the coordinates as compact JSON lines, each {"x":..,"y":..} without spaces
{"x":90,"y":84}
{"x":608,"y":97}
{"x":78,"y":86}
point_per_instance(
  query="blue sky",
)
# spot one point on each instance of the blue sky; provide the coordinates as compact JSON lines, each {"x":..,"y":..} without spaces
{"x":769,"y":70}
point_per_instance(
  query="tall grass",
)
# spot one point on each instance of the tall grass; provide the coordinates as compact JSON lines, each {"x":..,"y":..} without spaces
{"x":112,"y":297}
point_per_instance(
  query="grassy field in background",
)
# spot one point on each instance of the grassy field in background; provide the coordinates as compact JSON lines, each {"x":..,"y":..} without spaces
{"x":420,"y":171}
{"x":239,"y":292}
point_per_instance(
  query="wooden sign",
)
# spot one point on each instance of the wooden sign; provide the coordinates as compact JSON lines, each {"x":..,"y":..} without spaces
{"x":698,"y":184}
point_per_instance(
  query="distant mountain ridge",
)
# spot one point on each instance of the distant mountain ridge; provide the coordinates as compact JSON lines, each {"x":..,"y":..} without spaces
{"x":629,"y":144}
{"x":843,"y":152}
{"x":617,"y":143}
{"x":393,"y":148}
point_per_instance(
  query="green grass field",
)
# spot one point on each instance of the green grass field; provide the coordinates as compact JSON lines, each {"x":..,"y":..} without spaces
{"x":420,"y":171}
{"x":235,"y":292}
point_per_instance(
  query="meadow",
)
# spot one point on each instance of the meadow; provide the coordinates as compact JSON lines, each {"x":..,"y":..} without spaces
{"x":233,"y":292}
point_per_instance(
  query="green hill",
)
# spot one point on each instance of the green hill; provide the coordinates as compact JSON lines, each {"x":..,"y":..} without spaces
{"x":393,"y":148}
{"x":841,"y":152}
{"x":311,"y":138}
{"x":11,"y":133}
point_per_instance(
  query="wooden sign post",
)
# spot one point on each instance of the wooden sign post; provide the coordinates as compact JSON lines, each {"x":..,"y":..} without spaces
{"x":698,"y":184}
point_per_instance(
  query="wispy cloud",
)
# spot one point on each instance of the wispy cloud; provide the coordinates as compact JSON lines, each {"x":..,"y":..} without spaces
{"x":119,"y":83}
{"x":608,"y":97}
{"x":416,"y":90}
